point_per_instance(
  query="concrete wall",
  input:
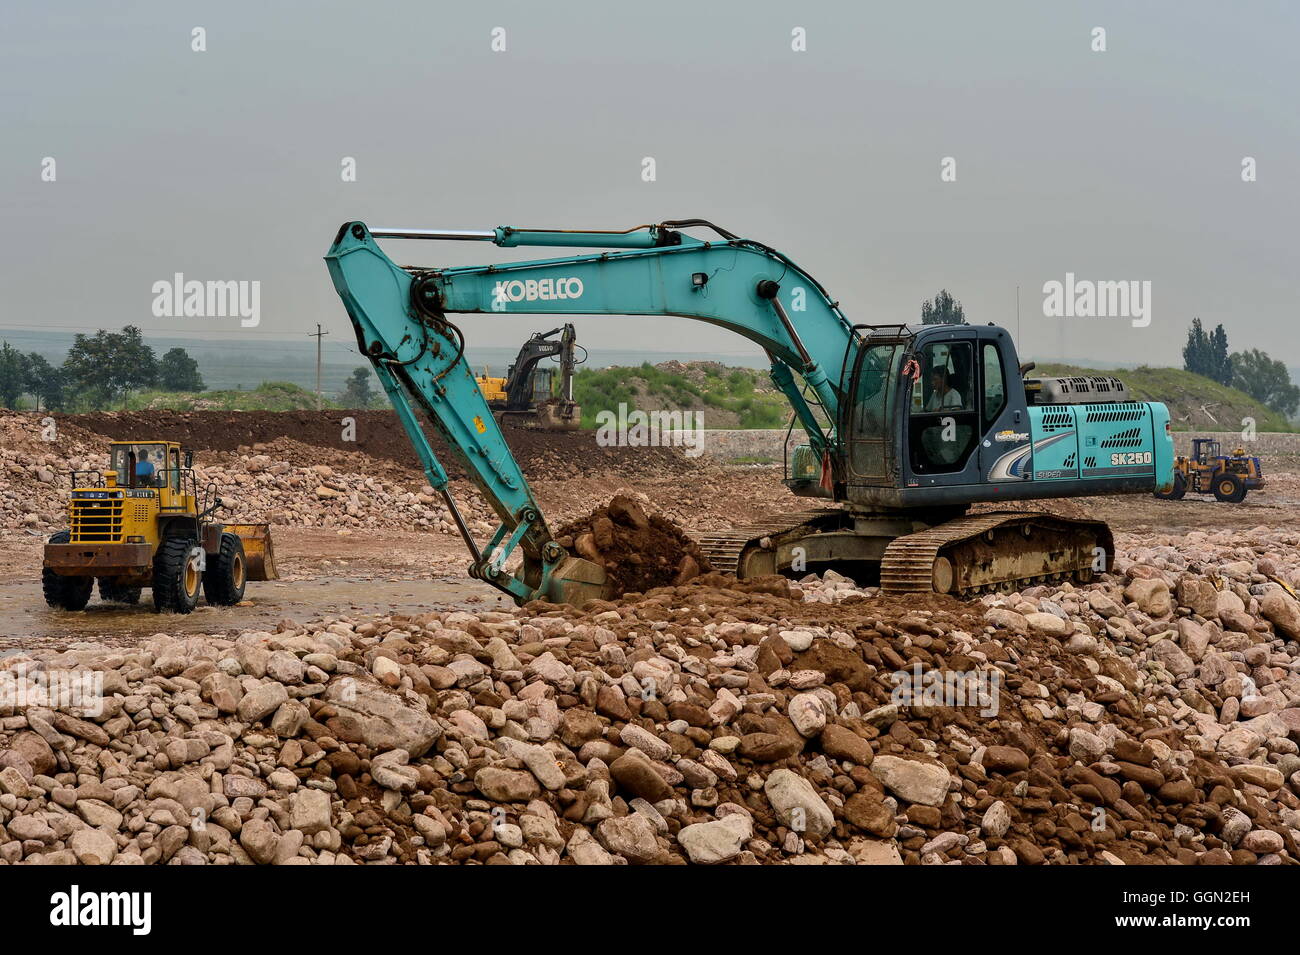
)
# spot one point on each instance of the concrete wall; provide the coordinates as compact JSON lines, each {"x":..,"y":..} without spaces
{"x":1264,"y":444}
{"x":734,"y":445}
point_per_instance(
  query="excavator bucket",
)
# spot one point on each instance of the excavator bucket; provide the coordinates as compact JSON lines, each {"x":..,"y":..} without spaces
{"x":558,"y":416}
{"x":259,"y":555}
{"x":577,"y":581}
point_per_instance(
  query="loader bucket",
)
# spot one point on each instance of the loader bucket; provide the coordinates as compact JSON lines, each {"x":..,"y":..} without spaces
{"x":259,"y":555}
{"x":576,"y":581}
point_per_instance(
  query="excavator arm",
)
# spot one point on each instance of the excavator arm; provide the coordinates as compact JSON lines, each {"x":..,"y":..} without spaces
{"x":400,"y":315}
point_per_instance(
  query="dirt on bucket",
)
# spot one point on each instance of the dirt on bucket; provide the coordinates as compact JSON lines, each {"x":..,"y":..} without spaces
{"x":639,"y":551}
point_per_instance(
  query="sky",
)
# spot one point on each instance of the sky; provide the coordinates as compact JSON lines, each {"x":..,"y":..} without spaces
{"x":1117,"y":165}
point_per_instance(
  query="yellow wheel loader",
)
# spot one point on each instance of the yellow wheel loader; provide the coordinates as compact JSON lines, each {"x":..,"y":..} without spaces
{"x":142,"y":522}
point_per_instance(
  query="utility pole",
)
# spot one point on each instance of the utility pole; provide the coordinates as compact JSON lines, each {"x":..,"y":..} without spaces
{"x":318,"y":335}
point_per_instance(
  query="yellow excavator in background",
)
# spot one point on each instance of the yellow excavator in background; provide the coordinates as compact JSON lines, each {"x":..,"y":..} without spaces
{"x":528,"y":397}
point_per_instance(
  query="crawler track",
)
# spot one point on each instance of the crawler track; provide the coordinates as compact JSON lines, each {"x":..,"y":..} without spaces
{"x":724,"y":548}
{"x":1003,"y":550}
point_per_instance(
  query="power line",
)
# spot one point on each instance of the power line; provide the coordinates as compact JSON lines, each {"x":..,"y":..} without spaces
{"x":317,"y":335}
{"x":191,"y":344}
{"x":180,"y":332}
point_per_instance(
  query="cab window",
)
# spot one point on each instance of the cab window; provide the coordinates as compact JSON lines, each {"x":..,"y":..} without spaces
{"x":944,"y":425}
{"x":995,"y":392}
{"x":946,"y":379}
{"x":139,"y":465}
{"x":874,"y":401}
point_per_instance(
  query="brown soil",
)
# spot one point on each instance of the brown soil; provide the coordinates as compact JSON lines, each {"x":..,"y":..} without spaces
{"x":638,"y":551}
{"x":378,"y":434}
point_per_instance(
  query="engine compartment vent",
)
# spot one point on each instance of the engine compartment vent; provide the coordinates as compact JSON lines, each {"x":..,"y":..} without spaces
{"x":1076,"y":390}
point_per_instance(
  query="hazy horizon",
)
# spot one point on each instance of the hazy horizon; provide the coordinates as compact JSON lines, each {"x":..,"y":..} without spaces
{"x":225,"y":164}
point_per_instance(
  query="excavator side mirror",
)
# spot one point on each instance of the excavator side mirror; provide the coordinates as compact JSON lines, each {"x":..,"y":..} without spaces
{"x":189,"y":459}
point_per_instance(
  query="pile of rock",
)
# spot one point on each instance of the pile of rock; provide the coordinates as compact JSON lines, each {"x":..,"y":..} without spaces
{"x":1140,"y":719}
{"x":271,"y":483}
{"x":266,"y":488}
{"x":639,"y":550}
{"x":36,"y":459}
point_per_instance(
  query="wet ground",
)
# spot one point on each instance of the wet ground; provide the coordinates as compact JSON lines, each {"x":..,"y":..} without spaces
{"x":27,"y":622}
{"x":328,"y":573}
{"x":323,"y":574}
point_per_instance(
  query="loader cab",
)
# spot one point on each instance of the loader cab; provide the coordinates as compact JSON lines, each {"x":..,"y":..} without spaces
{"x":147,"y":464}
{"x":155,"y":469}
{"x":930,"y":405}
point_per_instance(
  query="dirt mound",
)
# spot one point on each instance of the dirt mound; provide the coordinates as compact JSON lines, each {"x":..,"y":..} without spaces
{"x":639,"y":551}
{"x":378,"y":434}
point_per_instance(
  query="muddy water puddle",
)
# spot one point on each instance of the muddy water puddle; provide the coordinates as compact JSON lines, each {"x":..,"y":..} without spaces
{"x":27,"y":622}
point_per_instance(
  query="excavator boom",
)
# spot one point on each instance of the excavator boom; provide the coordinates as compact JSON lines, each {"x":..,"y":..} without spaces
{"x":400,"y":318}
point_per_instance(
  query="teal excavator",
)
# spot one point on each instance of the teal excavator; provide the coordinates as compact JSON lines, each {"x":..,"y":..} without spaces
{"x":907,"y":426}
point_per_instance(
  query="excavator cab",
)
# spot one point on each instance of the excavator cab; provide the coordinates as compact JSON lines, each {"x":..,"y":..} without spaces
{"x":925,"y":404}
{"x":938,"y":417}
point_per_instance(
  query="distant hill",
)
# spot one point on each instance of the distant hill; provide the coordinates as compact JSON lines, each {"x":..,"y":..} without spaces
{"x":268,"y":396}
{"x":725,"y":397}
{"x":243,"y":362}
{"x":1195,"y":403}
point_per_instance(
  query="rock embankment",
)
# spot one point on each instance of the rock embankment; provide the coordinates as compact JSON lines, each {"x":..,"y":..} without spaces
{"x":1151,"y":717}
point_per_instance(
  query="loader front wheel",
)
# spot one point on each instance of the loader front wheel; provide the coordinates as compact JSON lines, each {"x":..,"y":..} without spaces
{"x":227,"y":573}
{"x":177,"y":575}
{"x":65,"y":593}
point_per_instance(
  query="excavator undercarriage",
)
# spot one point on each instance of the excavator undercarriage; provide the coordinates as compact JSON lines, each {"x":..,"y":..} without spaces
{"x":964,"y":556}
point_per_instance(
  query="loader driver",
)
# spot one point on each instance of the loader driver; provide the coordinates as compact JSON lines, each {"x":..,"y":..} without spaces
{"x":144,"y":469}
{"x":942,"y":394}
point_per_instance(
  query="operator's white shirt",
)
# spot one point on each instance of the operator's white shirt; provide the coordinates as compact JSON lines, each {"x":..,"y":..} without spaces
{"x":952,"y":399}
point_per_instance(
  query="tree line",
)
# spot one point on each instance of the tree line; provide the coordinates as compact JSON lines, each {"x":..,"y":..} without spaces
{"x":1263,"y":378}
{"x":99,"y":371}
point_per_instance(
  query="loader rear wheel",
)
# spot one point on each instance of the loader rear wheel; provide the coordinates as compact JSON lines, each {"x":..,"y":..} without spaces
{"x":65,"y":593}
{"x":1176,"y":492}
{"x":1229,"y":488}
{"x":177,"y":575}
{"x":227,"y":573}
